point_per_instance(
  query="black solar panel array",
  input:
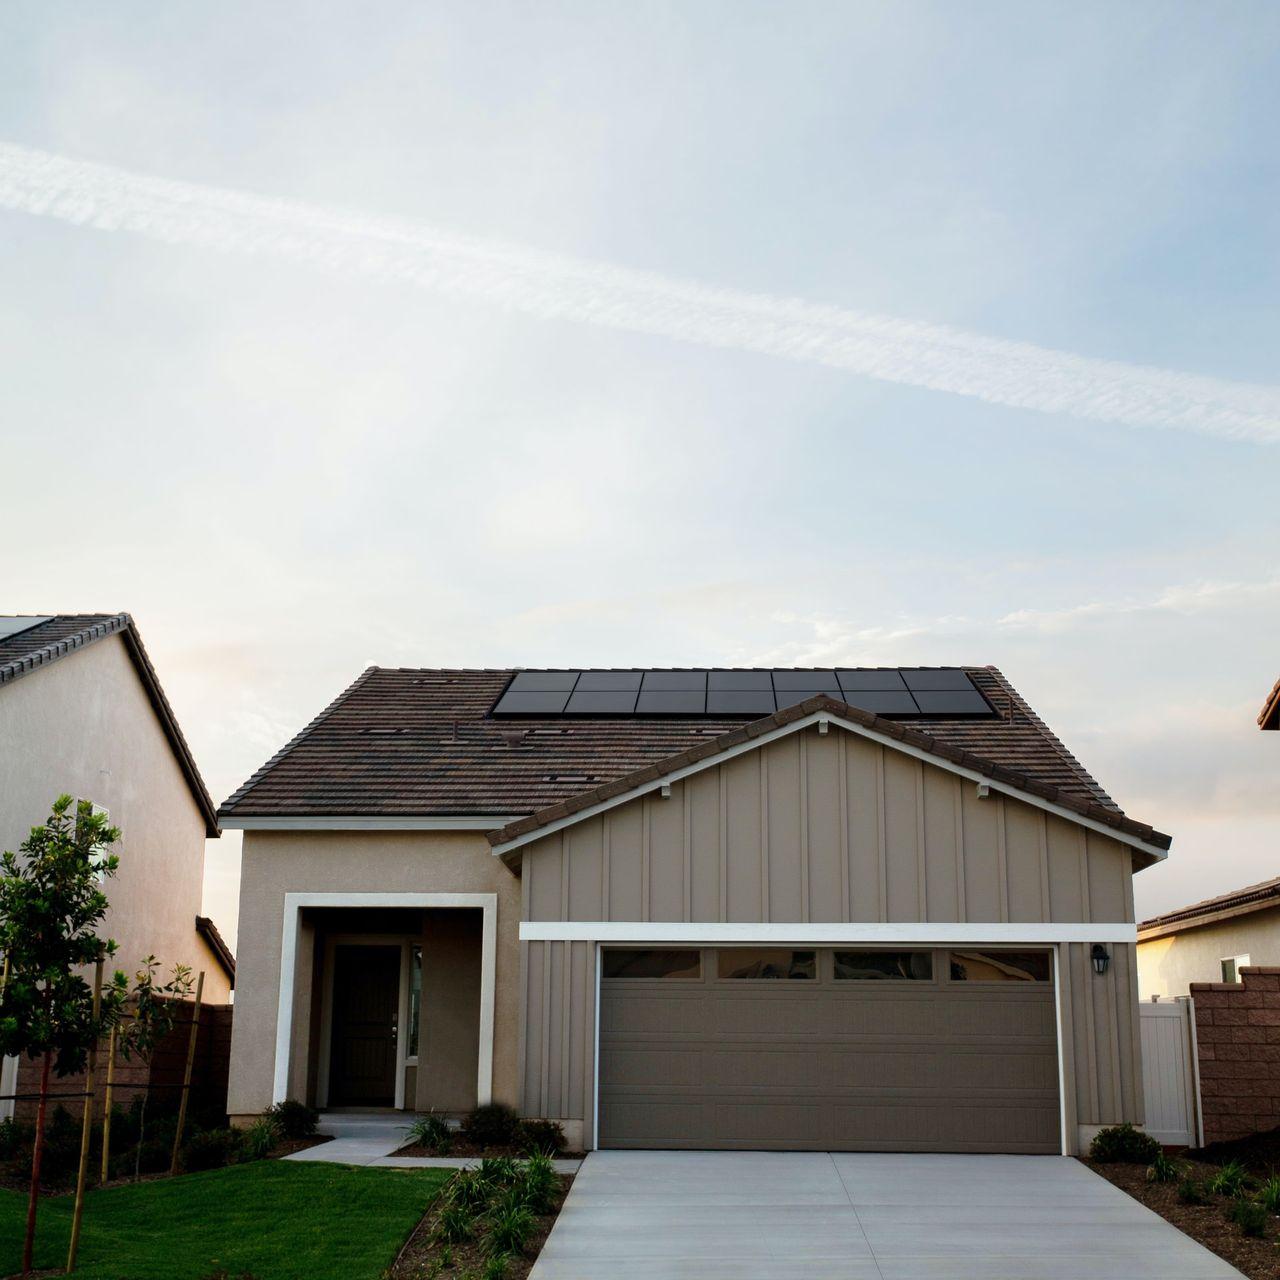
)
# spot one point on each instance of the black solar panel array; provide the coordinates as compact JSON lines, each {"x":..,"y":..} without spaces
{"x":897,"y":692}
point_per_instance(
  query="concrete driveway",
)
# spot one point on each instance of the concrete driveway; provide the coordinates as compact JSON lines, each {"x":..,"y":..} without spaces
{"x":640,"y":1215}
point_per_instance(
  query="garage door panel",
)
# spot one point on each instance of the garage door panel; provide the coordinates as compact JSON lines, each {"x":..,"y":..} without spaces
{"x":829,"y":1064}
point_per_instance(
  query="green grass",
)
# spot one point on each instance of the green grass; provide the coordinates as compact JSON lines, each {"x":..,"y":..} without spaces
{"x":279,"y":1220}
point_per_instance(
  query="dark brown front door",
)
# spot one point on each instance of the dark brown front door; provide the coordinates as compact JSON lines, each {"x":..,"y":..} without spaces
{"x":366,"y":999}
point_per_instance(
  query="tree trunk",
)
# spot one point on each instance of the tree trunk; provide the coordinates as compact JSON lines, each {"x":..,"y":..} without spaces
{"x":142,"y":1135}
{"x":37,"y":1151}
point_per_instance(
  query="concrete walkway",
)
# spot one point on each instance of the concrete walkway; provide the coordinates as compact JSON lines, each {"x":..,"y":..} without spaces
{"x":371,"y":1138}
{"x":639,"y":1215}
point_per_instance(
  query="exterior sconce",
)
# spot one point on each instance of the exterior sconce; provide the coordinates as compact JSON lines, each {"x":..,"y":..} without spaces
{"x":1101,"y":958}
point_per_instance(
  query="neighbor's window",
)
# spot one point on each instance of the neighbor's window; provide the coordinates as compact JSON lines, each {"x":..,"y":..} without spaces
{"x":652,"y":964}
{"x":917,"y":965}
{"x":1000,"y":966}
{"x":766,"y":962}
{"x":415,"y":997}
{"x":1231,"y":967}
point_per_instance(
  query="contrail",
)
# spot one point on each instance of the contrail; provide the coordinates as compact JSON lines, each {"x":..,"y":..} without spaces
{"x":520,"y":279}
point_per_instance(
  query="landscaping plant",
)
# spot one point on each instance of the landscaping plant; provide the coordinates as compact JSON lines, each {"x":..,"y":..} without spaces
{"x":457,"y":1222}
{"x":1164,"y":1169}
{"x":538,"y":1184}
{"x":294,"y":1120}
{"x":432,"y":1132}
{"x":510,"y":1225}
{"x":492,"y":1125}
{"x":1251,"y":1218}
{"x":543,"y":1136}
{"x":1123,"y":1144}
{"x":1191,"y":1191}
{"x":1269,"y":1194}
{"x":498,"y":1171}
{"x":1230,"y":1180}
{"x":258,"y":1140}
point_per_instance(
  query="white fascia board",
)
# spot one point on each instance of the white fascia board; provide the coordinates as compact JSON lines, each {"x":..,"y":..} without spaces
{"x":825,"y":717}
{"x":478,"y":822}
{"x":692,"y":933}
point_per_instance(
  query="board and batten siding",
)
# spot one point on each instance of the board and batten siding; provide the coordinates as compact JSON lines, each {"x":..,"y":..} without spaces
{"x":817,"y":828}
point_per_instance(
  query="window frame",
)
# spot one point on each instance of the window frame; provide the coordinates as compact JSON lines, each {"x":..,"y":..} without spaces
{"x":815,"y":976}
{"x":698,"y":952}
{"x":1237,"y":963}
{"x":1047,"y":981}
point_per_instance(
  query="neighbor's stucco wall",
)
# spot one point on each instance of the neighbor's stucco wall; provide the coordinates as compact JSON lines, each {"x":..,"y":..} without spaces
{"x":1167,"y":966}
{"x":274,"y":863}
{"x":829,"y":829}
{"x":84,"y":726}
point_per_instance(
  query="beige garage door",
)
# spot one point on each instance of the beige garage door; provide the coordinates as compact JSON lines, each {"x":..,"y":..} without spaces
{"x":849,"y":1050}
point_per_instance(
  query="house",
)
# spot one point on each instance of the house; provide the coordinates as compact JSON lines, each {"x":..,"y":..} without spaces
{"x":876,"y":909}
{"x":1269,"y":716}
{"x":1209,"y":941}
{"x":82,"y":712}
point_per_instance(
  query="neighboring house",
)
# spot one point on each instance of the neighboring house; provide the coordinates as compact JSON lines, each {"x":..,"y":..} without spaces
{"x":1209,"y":941}
{"x":82,"y":712}
{"x":1269,"y":716}
{"x":867,"y":910}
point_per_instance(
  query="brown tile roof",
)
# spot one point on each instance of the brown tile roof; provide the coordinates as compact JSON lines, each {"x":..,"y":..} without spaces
{"x":421,"y":743}
{"x":66,"y":634}
{"x":909,"y":735}
{"x":1253,"y":897}
{"x":1269,"y":716}
{"x":217,"y":944}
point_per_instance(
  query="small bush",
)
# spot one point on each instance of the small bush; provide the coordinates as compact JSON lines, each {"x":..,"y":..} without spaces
{"x":468,"y":1189}
{"x":432,"y":1133}
{"x":211,"y":1150}
{"x":15,"y":1139}
{"x":495,"y":1267}
{"x":1269,"y":1194}
{"x":456,"y":1223}
{"x":493,"y":1125}
{"x":1230,"y":1180}
{"x":509,"y":1230}
{"x":259,"y":1140}
{"x":1123,"y":1144}
{"x":295,"y":1120}
{"x":1191,"y":1191}
{"x":498,"y":1171}
{"x":538,"y":1184}
{"x":544,"y":1136}
{"x":1251,"y":1218}
{"x":1164,"y":1169}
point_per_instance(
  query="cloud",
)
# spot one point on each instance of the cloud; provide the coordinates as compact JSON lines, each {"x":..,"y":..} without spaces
{"x":520,"y":279}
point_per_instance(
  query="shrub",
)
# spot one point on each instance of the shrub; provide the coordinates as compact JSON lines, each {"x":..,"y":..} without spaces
{"x":544,"y":1136}
{"x":498,"y":1171}
{"x":468,"y":1189}
{"x":15,"y":1138}
{"x":1269,"y":1194}
{"x":1164,"y":1169}
{"x":295,"y":1120}
{"x":456,"y":1223}
{"x":509,"y":1230}
{"x":1123,"y":1144}
{"x":538,"y":1184}
{"x":1190,"y":1191}
{"x":209,"y":1150}
{"x":493,"y":1125}
{"x":495,"y":1267}
{"x":1251,"y":1218}
{"x":432,"y":1132}
{"x":261,"y":1138}
{"x":1230,"y":1180}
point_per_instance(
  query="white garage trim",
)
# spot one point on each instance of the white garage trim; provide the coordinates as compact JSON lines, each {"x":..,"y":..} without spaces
{"x":293,"y":905}
{"x":713,"y":934}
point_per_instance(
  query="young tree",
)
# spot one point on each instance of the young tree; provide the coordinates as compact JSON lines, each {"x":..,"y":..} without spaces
{"x":51,"y":902}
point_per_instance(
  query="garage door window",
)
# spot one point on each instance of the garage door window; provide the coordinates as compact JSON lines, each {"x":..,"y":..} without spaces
{"x":1000,"y":966}
{"x":766,"y":962}
{"x":875,"y":965}
{"x":677,"y":965}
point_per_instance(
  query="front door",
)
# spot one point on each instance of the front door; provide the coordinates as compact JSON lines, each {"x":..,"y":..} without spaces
{"x":366,"y":1002}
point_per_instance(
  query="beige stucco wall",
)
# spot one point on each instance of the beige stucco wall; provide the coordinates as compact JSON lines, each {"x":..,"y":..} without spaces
{"x":829,"y":829}
{"x":278,"y":862}
{"x":84,"y":726}
{"x":1166,"y":966}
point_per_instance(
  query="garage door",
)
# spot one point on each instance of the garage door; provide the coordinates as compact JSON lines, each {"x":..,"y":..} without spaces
{"x":849,"y":1050}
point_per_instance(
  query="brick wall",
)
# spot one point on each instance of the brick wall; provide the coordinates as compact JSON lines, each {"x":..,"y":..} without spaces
{"x":1238,"y":1037}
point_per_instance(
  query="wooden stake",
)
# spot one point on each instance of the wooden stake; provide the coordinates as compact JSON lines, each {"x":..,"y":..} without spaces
{"x":186,"y":1075}
{"x":86,"y":1128}
{"x":106,"y":1106}
{"x":37,"y":1153}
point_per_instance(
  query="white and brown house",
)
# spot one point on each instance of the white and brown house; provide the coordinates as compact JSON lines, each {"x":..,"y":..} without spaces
{"x":858,"y":909}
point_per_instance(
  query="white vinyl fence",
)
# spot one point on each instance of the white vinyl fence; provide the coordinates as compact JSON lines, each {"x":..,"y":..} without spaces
{"x":1170,"y":1073}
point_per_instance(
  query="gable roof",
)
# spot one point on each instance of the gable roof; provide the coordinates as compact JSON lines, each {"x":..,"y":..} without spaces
{"x":1239,"y":902}
{"x":412,"y":745}
{"x":710,"y":752}
{"x":1269,"y":716}
{"x":65,"y":634}
{"x":218,"y":945}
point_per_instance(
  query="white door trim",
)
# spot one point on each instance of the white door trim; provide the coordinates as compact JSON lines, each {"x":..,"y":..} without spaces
{"x":8,"y":1084}
{"x":293,"y":906}
{"x":709,"y":934}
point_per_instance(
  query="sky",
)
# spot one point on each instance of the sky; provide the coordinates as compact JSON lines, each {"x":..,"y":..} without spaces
{"x":661,"y":334}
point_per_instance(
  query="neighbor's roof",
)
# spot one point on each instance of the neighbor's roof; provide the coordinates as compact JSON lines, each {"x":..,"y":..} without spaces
{"x":65,"y":634}
{"x":218,"y":945}
{"x":1253,"y":897}
{"x":1269,"y":716}
{"x":422,"y":743}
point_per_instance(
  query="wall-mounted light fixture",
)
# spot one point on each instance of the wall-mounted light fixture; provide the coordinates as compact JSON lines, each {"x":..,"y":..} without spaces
{"x":1101,"y":958}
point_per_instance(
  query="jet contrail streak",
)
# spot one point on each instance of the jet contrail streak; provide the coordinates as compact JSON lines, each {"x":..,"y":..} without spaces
{"x":520,"y":279}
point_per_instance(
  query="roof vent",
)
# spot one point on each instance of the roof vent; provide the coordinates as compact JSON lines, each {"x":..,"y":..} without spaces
{"x":512,"y":734}
{"x":570,"y":777}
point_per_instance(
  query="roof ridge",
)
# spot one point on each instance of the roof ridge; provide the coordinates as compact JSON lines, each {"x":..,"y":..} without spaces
{"x":1204,"y":906}
{"x":261,"y":772}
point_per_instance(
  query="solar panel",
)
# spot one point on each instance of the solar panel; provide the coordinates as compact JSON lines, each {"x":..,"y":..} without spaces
{"x":903,"y":692}
{"x":15,"y":626}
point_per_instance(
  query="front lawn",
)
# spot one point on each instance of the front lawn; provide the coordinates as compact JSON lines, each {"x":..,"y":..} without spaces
{"x":276,"y":1220}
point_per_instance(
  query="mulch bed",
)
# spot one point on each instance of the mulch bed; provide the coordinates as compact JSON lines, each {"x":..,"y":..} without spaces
{"x":1257,"y":1257}
{"x":471,"y":1151}
{"x":415,"y":1261}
